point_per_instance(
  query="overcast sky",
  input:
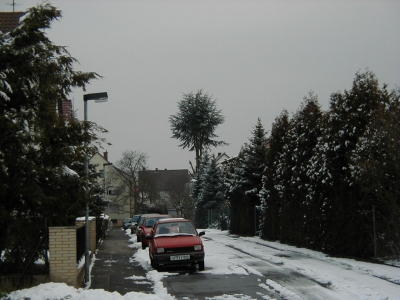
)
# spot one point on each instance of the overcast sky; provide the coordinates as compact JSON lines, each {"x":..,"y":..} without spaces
{"x":255,"y":58}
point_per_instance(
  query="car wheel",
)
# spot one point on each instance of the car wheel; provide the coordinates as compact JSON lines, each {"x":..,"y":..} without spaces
{"x":201,"y":265}
{"x":143,"y":245}
{"x":137,"y":239}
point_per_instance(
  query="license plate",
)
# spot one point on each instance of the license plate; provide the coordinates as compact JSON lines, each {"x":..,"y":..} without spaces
{"x":180,"y":257}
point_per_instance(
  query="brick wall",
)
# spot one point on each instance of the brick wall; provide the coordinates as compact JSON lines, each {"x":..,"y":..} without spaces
{"x":62,"y":248}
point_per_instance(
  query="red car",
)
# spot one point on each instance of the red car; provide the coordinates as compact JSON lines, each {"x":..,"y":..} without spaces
{"x":175,"y":241}
{"x":146,"y":225}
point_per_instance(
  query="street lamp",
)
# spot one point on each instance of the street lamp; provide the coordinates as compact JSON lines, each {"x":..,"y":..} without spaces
{"x":97,"y":97}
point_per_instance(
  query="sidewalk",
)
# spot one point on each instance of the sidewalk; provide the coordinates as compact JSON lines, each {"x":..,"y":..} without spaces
{"x":112,"y":267}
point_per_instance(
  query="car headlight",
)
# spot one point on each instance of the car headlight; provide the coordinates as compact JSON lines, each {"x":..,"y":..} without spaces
{"x":160,"y":250}
{"x":197,"y":247}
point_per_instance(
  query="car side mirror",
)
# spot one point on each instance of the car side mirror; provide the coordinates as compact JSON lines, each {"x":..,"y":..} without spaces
{"x":202,"y":233}
{"x":148,"y":236}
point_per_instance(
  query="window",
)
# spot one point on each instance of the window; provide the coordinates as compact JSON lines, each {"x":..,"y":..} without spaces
{"x":112,"y":191}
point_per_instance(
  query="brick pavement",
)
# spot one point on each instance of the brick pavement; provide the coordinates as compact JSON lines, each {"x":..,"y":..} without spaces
{"x":112,"y":267}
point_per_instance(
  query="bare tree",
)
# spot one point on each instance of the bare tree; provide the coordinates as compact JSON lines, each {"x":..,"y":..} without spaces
{"x":126,"y":172}
{"x":178,"y":196}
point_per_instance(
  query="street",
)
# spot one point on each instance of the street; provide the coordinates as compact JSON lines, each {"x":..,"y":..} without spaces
{"x":250,"y":268}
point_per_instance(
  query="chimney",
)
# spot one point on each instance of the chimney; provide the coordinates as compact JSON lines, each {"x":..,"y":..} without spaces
{"x":105,"y":155}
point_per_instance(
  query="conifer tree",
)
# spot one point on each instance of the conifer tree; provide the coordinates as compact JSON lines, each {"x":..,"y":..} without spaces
{"x":248,"y":180}
{"x":347,"y":209}
{"x":196,"y":193}
{"x":195,"y":124}
{"x":212,"y":190}
{"x":270,"y":198}
{"x":300,"y":143}
{"x":38,"y":147}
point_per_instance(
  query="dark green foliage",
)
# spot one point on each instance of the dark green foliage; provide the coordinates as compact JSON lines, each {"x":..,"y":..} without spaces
{"x":212,"y":192}
{"x":270,"y":199}
{"x":327,"y":172}
{"x":201,"y":211}
{"x":39,"y":147}
{"x":247,"y":183}
{"x":300,"y":141}
{"x":195,"y":123}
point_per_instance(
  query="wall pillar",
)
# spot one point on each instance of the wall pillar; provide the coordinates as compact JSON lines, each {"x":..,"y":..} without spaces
{"x":62,"y":247}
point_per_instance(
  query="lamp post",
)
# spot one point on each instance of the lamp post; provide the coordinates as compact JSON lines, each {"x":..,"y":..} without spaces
{"x":97,"y":97}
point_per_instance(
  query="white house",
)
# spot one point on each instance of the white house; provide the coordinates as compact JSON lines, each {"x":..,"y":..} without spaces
{"x":116,"y":209}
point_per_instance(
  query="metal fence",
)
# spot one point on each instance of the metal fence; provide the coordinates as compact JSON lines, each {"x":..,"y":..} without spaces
{"x":218,"y":218}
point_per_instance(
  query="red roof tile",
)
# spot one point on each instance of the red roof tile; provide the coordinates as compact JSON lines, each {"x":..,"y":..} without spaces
{"x":9,"y":20}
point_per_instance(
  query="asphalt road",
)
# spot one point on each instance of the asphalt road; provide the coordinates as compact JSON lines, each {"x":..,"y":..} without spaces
{"x":116,"y":270}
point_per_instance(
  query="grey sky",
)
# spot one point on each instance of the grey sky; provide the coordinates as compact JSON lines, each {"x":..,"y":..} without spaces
{"x":255,"y":58}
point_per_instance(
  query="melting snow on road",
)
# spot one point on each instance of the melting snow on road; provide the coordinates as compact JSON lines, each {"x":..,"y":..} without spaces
{"x":344,"y":278}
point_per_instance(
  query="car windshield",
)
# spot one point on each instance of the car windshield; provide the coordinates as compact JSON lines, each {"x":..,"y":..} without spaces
{"x":135,"y":218}
{"x":150,"y":221}
{"x":176,"y":228}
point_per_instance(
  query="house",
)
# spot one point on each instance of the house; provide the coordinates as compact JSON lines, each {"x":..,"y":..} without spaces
{"x":120,"y":204}
{"x":220,"y":158}
{"x":9,"y":20}
{"x":170,"y":188}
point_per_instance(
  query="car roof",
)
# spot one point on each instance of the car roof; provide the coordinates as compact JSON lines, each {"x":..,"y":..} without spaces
{"x":168,"y":220}
{"x":150,"y":215}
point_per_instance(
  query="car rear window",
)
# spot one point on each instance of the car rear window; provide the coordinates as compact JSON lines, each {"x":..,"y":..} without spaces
{"x":176,"y":228}
{"x":151,"y":221}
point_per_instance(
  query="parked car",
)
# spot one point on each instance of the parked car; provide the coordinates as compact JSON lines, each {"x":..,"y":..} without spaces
{"x":175,"y":241}
{"x":135,"y":218}
{"x":140,"y":222}
{"x":127,"y":223}
{"x":147,"y":225}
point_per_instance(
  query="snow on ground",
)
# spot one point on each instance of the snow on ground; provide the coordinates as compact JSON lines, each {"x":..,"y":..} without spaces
{"x":363,"y":281}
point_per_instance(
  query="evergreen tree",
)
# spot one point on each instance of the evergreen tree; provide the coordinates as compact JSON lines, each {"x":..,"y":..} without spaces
{"x":338,"y":169}
{"x":212,"y":190}
{"x":39,"y":147}
{"x":196,"y":193}
{"x":300,"y":142}
{"x":248,"y":180}
{"x":195,"y":123}
{"x":269,"y":194}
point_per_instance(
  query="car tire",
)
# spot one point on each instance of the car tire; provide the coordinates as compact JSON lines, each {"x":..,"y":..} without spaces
{"x":137,"y":239}
{"x":143,"y":246}
{"x":201,"y":265}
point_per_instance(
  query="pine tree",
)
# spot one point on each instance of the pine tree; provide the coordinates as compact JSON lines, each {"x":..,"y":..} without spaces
{"x":300,"y":142}
{"x":269,"y":194}
{"x":335,"y":168}
{"x":212,"y":191}
{"x":37,"y":145}
{"x":195,"y":124}
{"x":248,"y":181}
{"x":196,"y":193}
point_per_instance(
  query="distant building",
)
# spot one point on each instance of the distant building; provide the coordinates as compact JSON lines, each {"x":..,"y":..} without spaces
{"x":9,"y":20}
{"x":168,"y":186}
{"x":221,"y":157}
{"x":116,"y":194}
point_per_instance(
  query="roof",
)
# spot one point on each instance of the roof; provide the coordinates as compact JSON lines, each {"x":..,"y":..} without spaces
{"x":9,"y":20}
{"x":166,"y":180}
{"x":221,"y":157}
